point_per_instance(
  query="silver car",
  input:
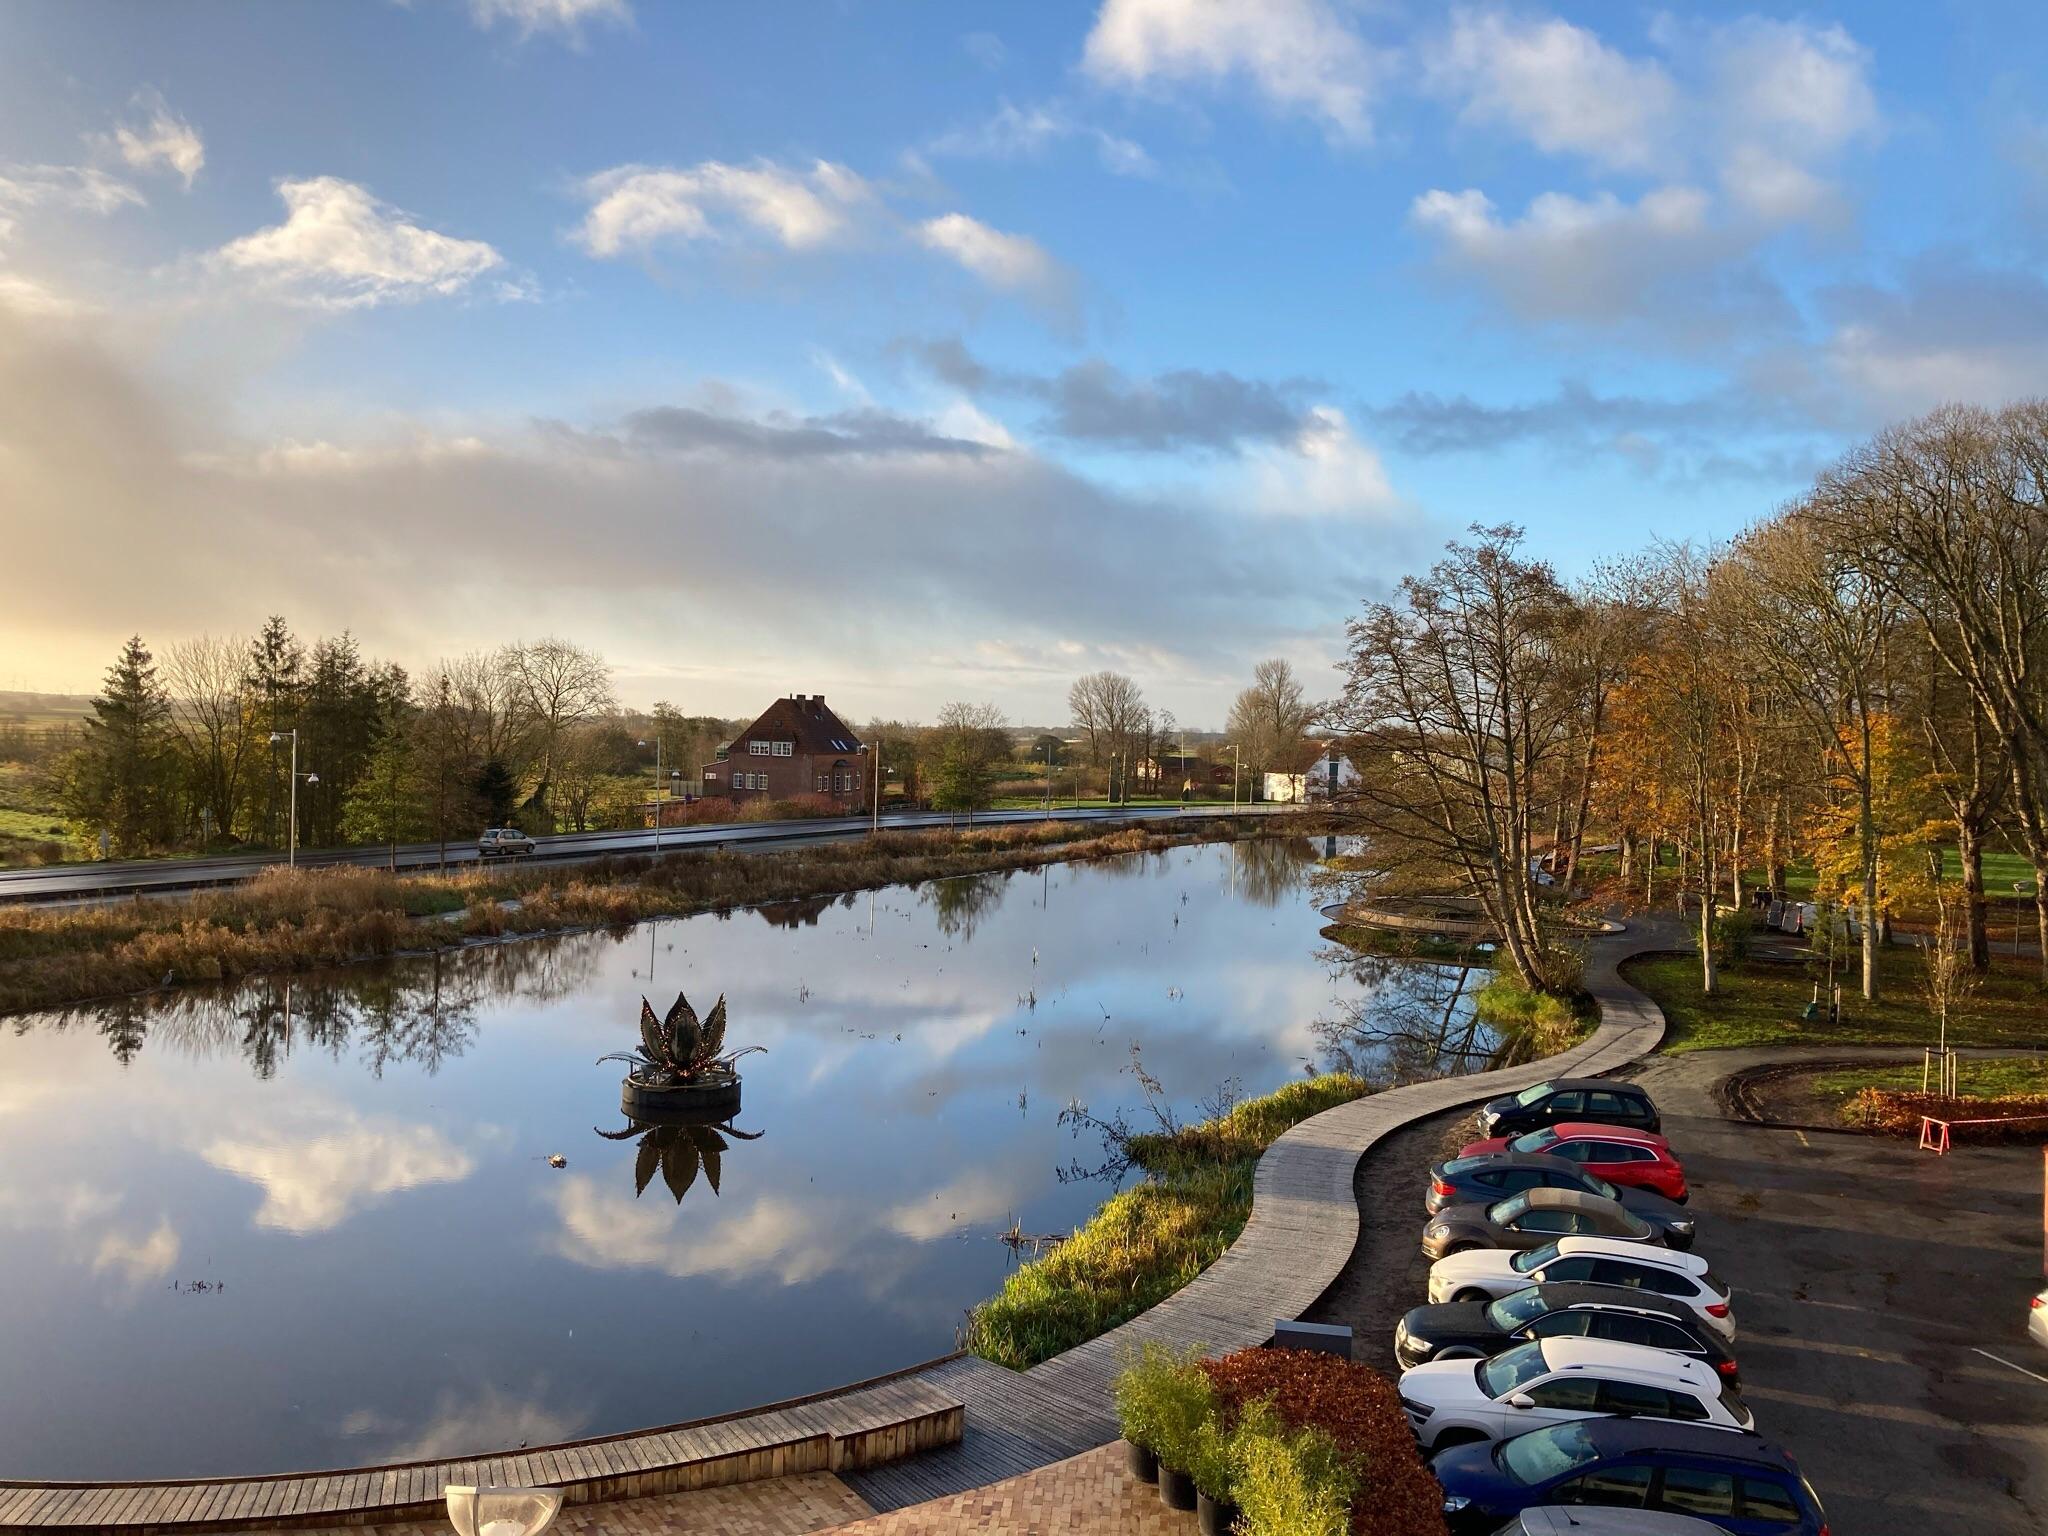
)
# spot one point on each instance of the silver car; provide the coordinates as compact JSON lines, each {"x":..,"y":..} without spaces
{"x":2037,"y":1318}
{"x":503,"y":842}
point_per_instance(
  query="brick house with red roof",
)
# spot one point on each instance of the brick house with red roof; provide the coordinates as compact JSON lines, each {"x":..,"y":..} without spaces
{"x":797,"y":747}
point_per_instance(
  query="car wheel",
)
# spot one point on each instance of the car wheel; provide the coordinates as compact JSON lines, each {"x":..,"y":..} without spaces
{"x":1459,"y":1248}
{"x":1470,"y":1293}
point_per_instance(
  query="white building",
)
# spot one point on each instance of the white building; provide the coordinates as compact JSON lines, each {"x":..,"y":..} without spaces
{"x":1326,"y":771}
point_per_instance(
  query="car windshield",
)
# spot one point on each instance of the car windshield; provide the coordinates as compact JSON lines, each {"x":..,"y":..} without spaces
{"x":1600,"y":1186}
{"x":1509,"y":1208}
{"x":1715,"y":1283}
{"x":1633,"y":1225}
{"x":1530,"y":1096}
{"x":1510,"y":1312}
{"x":1535,"y":1141}
{"x":1511,"y":1369}
{"x":1463,"y":1164}
{"x":1543,"y":1454}
{"x":1535,"y":1258}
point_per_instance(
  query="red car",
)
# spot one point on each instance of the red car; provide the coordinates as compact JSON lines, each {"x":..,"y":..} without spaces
{"x":1633,"y":1158}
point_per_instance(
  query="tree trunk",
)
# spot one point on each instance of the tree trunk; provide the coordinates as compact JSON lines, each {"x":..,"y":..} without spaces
{"x":1970,"y":850}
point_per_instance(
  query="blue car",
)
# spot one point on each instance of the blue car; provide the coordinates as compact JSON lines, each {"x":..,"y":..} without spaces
{"x":1739,"y":1482}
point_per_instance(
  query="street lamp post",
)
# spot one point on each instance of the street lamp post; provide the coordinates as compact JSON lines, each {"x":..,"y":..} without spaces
{"x":657,"y":791}
{"x":1233,"y":775}
{"x":291,"y":857}
{"x":1048,"y":781}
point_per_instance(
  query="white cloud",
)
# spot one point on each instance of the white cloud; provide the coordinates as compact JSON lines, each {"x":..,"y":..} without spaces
{"x":1557,"y":85}
{"x":564,"y":16}
{"x":1327,"y":471}
{"x":312,"y":1183}
{"x":162,"y":140}
{"x":639,"y":206}
{"x":138,"y":1259}
{"x":1022,"y":133}
{"x":1015,"y":263}
{"x":1297,"y":54}
{"x":973,"y":1197}
{"x":1804,"y":86}
{"x":79,"y":187}
{"x":1569,"y":258}
{"x":27,"y":296}
{"x":341,"y":248}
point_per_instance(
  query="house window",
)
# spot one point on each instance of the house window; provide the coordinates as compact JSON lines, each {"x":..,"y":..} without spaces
{"x":839,"y":778}
{"x":783,"y":748}
{"x":710,"y":777}
{"x":758,"y":748}
{"x":824,"y":782}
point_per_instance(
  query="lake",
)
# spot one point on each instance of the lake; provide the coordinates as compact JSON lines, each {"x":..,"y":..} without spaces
{"x":312,"y":1222}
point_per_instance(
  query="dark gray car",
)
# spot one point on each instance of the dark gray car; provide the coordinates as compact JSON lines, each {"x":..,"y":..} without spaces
{"x":1531,"y":1219}
{"x":1493,"y":1176}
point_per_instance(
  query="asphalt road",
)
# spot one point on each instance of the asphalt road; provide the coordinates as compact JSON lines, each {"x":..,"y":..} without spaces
{"x":73,"y":882}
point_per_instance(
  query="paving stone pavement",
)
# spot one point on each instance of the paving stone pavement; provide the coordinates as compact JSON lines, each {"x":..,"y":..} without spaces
{"x":1091,"y":1492}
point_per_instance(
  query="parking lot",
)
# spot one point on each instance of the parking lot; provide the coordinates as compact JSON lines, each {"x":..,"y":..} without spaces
{"x":1867,"y":1278}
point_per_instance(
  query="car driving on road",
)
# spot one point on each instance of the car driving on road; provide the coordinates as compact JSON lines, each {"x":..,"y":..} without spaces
{"x":1473,"y":1330}
{"x":2037,"y":1318}
{"x":1491,"y":1176}
{"x":1741,"y":1483}
{"x":1556,"y":1381}
{"x":1634,"y":1159}
{"x":503,"y":842}
{"x":1486,"y":1274}
{"x":1531,"y":1219}
{"x":1569,"y":1098}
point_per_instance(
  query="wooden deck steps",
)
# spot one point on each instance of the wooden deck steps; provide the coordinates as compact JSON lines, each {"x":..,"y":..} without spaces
{"x":842,"y":1432}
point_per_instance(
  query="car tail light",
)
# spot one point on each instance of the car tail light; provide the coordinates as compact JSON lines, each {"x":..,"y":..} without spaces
{"x":2040,"y":1300}
{"x":1725,"y":1367}
{"x":1717,"y":1309}
{"x":1439,"y":1187}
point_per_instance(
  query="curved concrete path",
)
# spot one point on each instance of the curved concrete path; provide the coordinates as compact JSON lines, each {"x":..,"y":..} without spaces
{"x":1303,"y":1227}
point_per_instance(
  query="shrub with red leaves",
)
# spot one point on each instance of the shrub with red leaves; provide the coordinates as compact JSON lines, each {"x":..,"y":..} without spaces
{"x":1359,"y":1409}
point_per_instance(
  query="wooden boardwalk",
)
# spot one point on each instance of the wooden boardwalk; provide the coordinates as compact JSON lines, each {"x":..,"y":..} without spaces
{"x":1303,"y":1226}
{"x":839,"y":1432}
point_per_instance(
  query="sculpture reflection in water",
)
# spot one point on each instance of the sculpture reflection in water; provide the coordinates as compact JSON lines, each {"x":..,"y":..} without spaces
{"x":680,"y":1149}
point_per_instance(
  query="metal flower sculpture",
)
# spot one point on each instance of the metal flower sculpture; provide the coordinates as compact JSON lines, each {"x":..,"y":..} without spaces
{"x":679,"y":1049}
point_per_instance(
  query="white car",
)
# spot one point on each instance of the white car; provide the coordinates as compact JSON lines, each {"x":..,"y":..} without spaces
{"x":1486,"y":1274}
{"x":1548,"y":1381}
{"x":2037,"y":1318}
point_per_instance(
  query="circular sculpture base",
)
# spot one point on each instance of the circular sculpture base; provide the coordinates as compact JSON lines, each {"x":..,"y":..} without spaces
{"x":711,"y":1098}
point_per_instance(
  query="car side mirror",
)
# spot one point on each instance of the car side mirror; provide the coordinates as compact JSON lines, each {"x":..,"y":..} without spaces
{"x":1521,"y":1400}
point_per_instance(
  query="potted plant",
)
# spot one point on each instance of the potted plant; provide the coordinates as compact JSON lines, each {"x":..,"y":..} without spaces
{"x":1185,"y":1403}
{"x":1289,"y":1483}
{"x":1137,"y":1415}
{"x":1212,"y":1467}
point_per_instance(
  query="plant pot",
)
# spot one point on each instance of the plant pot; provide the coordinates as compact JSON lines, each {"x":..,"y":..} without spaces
{"x":1144,"y":1464}
{"x":1215,"y":1516}
{"x":1176,"y":1489}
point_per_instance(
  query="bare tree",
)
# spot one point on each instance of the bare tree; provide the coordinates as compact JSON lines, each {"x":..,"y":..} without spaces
{"x":213,"y":713}
{"x":559,"y":684}
{"x":1452,"y":714}
{"x":1268,"y":719}
{"x":1109,"y":711}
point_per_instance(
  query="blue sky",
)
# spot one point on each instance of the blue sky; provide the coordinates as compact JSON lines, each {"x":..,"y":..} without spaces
{"x":908,"y":353}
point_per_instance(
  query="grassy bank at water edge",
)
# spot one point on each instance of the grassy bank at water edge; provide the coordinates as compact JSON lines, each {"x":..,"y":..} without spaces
{"x":1148,"y":1241}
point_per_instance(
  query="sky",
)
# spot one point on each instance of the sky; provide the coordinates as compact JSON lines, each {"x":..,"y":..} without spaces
{"x":908,"y":353}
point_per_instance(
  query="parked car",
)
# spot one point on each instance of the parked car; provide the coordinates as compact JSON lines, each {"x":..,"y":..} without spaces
{"x":1635,"y":1159}
{"x":1486,"y":1274}
{"x":503,"y":842}
{"x":1583,"y":1520}
{"x":1473,"y":1330}
{"x":1569,"y":1098}
{"x":1531,"y":1219}
{"x":2037,"y":1319}
{"x":1489,"y":1176}
{"x":1556,"y":1381}
{"x":1742,"y":1484}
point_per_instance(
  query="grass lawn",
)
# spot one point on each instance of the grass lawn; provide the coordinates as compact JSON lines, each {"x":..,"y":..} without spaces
{"x":1760,"y":1003}
{"x":1995,"y":1077}
{"x":28,"y":823}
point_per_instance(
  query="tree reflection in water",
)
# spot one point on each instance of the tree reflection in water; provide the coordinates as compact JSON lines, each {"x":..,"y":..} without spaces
{"x":417,"y":1012}
{"x":961,"y":903}
{"x":1414,"y":1021}
{"x":1269,"y":870}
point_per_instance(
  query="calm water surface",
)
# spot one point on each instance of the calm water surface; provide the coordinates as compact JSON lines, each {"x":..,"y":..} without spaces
{"x":309,"y":1224}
